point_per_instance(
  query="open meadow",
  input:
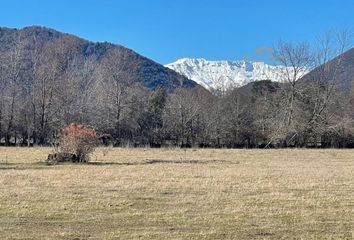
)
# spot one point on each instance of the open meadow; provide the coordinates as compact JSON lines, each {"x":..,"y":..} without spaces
{"x":178,"y":194}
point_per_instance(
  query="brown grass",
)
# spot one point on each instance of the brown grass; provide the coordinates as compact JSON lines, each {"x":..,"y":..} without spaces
{"x":178,"y":194}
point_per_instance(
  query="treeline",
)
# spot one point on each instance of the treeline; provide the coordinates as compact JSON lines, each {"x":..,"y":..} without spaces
{"x":44,"y":89}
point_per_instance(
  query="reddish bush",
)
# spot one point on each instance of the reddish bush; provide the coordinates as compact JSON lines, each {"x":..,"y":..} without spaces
{"x":78,"y":140}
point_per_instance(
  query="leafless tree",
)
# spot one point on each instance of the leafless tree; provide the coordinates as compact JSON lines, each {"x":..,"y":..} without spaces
{"x":52,"y":65}
{"x":183,"y":115}
{"x":12,"y":85}
{"x":112,"y":89}
{"x":297,"y":61}
{"x":324,"y":81}
{"x":86,"y":80}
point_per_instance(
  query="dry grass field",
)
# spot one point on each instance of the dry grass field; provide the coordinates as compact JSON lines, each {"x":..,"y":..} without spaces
{"x":178,"y":194}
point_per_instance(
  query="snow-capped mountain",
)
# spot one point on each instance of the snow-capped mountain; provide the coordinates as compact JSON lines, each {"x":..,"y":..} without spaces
{"x":220,"y":75}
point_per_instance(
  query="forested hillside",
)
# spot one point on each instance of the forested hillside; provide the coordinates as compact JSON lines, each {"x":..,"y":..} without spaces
{"x":50,"y":79}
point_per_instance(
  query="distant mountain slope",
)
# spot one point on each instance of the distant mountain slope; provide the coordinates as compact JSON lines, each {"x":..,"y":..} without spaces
{"x":217,"y":74}
{"x":137,"y":68}
{"x":340,"y":70}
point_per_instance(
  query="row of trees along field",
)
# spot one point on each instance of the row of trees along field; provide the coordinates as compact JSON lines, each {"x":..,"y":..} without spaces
{"x":54,"y":89}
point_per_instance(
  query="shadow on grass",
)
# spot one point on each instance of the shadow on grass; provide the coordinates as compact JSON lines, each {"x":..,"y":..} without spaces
{"x":24,"y":166}
{"x":49,"y":165}
{"x":160,"y":161}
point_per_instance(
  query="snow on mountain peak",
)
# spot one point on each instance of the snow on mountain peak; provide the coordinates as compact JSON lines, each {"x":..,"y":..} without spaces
{"x":217,"y":75}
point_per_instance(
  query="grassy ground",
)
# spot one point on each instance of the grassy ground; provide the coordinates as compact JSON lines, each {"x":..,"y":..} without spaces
{"x":178,"y":194}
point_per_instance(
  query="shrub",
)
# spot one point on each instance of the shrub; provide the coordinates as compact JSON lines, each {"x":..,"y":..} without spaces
{"x":77,"y":140}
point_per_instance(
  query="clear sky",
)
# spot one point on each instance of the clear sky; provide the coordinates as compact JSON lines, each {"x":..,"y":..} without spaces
{"x":165,"y":30}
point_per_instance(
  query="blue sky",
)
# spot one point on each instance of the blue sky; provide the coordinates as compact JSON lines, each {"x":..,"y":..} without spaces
{"x":165,"y":30}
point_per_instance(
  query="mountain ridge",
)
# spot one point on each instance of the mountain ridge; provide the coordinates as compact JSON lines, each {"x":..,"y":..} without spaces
{"x":147,"y":72}
{"x":225,"y":73}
